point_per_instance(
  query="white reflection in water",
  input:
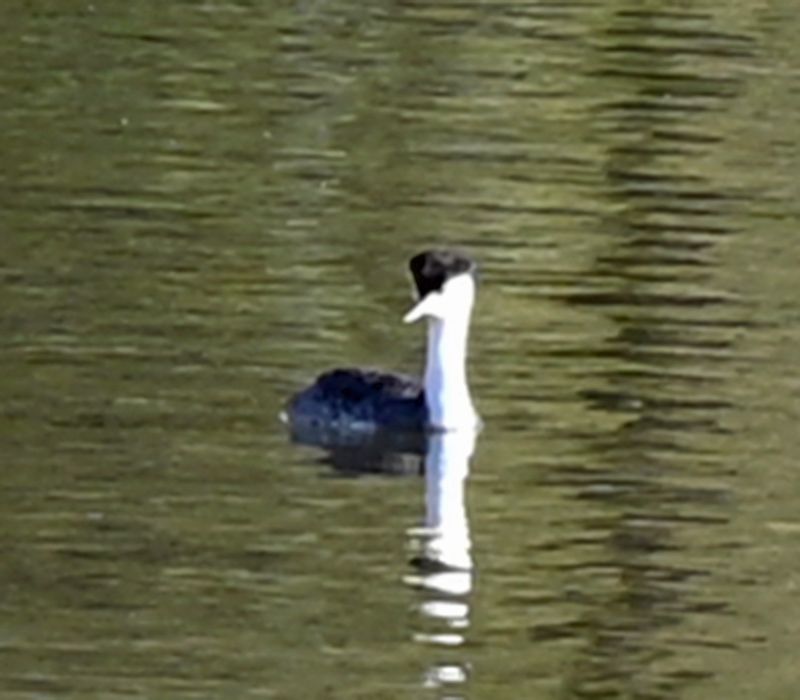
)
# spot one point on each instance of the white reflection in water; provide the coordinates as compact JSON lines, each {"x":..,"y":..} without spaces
{"x":444,"y":541}
{"x":443,"y":563}
{"x":443,"y":674}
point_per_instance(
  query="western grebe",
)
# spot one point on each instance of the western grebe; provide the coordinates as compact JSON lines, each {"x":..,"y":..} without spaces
{"x":364,"y":400}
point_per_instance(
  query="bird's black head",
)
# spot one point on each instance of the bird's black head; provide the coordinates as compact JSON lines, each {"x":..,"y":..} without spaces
{"x":432,"y":268}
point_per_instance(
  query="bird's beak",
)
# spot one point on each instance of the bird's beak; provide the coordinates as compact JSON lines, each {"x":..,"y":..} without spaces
{"x":429,"y":305}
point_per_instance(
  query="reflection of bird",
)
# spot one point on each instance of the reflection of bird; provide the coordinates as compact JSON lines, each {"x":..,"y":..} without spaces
{"x":359,"y":400}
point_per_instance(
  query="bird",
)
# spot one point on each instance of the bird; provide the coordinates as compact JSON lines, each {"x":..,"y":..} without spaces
{"x":358,"y":401}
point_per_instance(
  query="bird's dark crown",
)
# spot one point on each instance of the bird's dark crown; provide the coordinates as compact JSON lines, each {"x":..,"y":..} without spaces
{"x":432,"y":268}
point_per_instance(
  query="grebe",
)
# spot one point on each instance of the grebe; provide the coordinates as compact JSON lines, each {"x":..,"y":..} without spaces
{"x":355,"y":400}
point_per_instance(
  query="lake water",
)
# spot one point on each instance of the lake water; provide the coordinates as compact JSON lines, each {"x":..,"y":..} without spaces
{"x":203,"y":204}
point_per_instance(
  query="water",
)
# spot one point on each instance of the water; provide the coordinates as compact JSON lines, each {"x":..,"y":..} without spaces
{"x":204,"y":204}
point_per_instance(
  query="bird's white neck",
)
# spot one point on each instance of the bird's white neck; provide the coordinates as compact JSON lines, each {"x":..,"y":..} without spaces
{"x":446,"y":390}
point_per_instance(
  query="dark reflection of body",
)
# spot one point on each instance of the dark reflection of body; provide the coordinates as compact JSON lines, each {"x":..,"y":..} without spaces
{"x":381,"y":452}
{"x":443,"y":558}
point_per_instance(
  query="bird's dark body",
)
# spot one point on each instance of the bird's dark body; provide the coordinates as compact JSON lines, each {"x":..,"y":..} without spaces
{"x":355,"y":399}
{"x":344,"y":403}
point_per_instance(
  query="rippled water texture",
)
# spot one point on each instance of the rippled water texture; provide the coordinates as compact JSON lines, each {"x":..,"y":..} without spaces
{"x":203,"y":204}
